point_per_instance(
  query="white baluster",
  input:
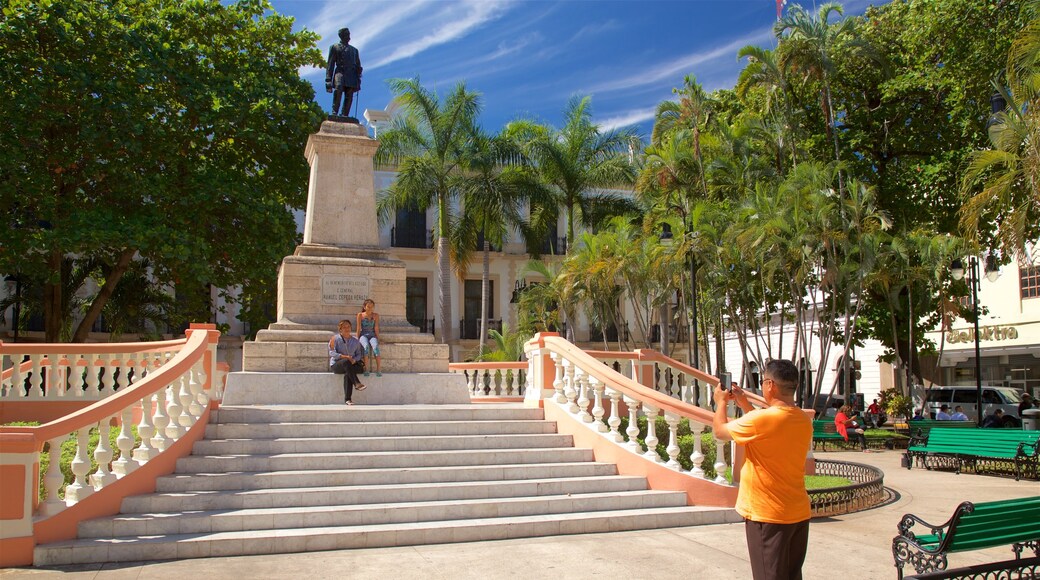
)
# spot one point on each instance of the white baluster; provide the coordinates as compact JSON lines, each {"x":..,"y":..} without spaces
{"x":146,"y":450}
{"x":558,"y":384}
{"x":17,"y":381}
{"x":55,"y":389}
{"x":720,"y":462}
{"x":615,"y":415}
{"x":125,"y":442}
{"x":651,"y":433}
{"x":53,"y":479}
{"x":36,"y":380}
{"x":582,"y":378}
{"x":471,"y":381}
{"x":697,"y":457}
{"x":186,"y":420}
{"x":597,"y":407}
{"x":123,"y":381}
{"x":195,"y":388}
{"x":569,"y":387}
{"x":633,"y":424}
{"x":161,"y":420}
{"x":80,"y":488}
{"x":75,"y":376}
{"x":108,"y":382}
{"x":93,"y":384}
{"x":497,"y":379}
{"x":131,"y":365}
{"x":174,"y":430}
{"x":673,"y":440}
{"x":103,"y":456}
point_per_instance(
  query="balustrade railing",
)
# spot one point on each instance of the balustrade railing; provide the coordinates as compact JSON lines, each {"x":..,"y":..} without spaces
{"x":89,"y":372}
{"x":493,"y":379}
{"x":153,"y":392}
{"x":594,"y":387}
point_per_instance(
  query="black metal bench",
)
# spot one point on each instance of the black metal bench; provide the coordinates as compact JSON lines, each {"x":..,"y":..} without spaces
{"x":1014,"y":522}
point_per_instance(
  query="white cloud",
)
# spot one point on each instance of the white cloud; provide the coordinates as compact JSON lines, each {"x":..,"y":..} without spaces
{"x":675,"y":68}
{"x":632,"y":117}
{"x":386,"y":32}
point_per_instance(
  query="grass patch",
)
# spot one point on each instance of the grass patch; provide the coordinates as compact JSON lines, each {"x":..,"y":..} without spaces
{"x":825,"y":481}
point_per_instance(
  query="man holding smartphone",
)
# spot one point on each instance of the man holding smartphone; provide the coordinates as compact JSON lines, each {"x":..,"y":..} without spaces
{"x":772,"y":496}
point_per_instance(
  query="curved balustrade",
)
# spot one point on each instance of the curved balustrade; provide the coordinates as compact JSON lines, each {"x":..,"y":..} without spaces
{"x":587,"y":387}
{"x":162,"y":389}
{"x":87,"y":372}
{"x":493,"y":379}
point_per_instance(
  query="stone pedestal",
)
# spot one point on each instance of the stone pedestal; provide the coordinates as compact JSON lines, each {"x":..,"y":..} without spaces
{"x":338,"y":266}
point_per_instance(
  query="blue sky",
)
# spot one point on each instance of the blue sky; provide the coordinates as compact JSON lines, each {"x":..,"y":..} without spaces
{"x":528,"y":57}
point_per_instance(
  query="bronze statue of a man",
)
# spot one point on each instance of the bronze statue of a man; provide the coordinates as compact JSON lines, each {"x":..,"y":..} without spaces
{"x":343,"y":73}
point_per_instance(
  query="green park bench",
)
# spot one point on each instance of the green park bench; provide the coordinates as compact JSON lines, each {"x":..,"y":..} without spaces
{"x":974,"y":448}
{"x":824,"y":431}
{"x":1014,"y":522}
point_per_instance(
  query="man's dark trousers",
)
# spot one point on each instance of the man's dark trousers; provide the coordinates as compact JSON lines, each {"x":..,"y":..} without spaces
{"x":349,"y":371}
{"x":777,"y":551}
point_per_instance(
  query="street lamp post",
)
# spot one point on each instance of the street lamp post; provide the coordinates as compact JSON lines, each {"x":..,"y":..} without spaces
{"x":992,"y":273}
{"x":694,"y":352}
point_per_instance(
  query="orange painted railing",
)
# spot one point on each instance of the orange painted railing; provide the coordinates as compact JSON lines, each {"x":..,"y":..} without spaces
{"x":169,"y":396}
{"x":493,"y":380}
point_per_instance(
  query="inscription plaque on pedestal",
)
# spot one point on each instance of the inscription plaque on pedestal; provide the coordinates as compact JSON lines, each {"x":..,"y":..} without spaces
{"x":338,"y":289}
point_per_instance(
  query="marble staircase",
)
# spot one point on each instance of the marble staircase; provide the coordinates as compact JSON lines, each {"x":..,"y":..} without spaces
{"x":283,"y":478}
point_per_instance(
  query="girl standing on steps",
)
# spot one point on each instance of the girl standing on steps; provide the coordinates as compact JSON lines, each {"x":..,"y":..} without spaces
{"x":368,"y":334}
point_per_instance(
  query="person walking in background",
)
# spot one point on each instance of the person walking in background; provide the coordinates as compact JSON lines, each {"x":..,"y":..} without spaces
{"x":874,"y":413}
{"x":1026,"y":404}
{"x":847,"y":426}
{"x":958,"y":414}
{"x":346,"y":357}
{"x":943,"y":414}
{"x":772,"y":497}
{"x":368,"y":334}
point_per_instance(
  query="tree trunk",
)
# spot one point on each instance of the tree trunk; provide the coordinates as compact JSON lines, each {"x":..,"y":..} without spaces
{"x":484,"y":296}
{"x":53,"y":314}
{"x":104,"y":294}
{"x":443,"y":327}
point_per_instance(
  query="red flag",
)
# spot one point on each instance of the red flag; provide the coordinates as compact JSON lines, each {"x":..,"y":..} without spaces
{"x":780,"y":8}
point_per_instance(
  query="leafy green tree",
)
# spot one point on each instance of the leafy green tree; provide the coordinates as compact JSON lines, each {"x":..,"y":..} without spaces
{"x":428,"y":145}
{"x":150,"y":130}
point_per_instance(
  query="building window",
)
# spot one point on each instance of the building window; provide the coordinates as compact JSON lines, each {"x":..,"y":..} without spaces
{"x":470,"y":324}
{"x":1029,"y":281}
{"x":415,"y":302}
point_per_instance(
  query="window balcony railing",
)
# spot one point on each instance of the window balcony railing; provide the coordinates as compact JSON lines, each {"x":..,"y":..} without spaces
{"x":596,"y":335}
{"x":675,"y":332}
{"x":411,"y":238}
{"x":470,"y":329}
{"x":425,"y":326}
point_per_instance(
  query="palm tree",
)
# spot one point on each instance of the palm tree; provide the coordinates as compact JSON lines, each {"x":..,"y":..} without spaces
{"x":764,"y":70}
{"x":577,"y":159}
{"x":810,"y":47}
{"x":500,"y":183}
{"x":691,"y":112}
{"x":428,"y":143}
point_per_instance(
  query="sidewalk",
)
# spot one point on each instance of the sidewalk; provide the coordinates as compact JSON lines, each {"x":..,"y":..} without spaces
{"x":856,"y":546}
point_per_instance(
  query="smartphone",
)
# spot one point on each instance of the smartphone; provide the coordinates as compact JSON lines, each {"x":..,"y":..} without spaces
{"x":725,"y":380}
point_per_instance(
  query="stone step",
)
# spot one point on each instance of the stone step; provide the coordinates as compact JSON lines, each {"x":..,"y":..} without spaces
{"x":346,"y":514}
{"x":379,"y":493}
{"x":200,"y":545}
{"x":369,"y":413}
{"x":401,"y":459}
{"x":375,"y":429}
{"x":376,"y":444}
{"x":344,"y":477}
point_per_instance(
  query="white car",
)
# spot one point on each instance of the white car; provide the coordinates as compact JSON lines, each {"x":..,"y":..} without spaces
{"x":993,"y":397}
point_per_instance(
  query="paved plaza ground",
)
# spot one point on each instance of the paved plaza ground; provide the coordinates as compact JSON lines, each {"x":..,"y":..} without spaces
{"x":854,"y":546}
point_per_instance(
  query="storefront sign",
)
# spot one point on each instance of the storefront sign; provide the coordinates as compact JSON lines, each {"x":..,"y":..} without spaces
{"x":338,"y":290}
{"x":985,"y":333}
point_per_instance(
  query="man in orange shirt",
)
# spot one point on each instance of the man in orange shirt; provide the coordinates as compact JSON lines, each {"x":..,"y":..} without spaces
{"x":772,"y":496}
